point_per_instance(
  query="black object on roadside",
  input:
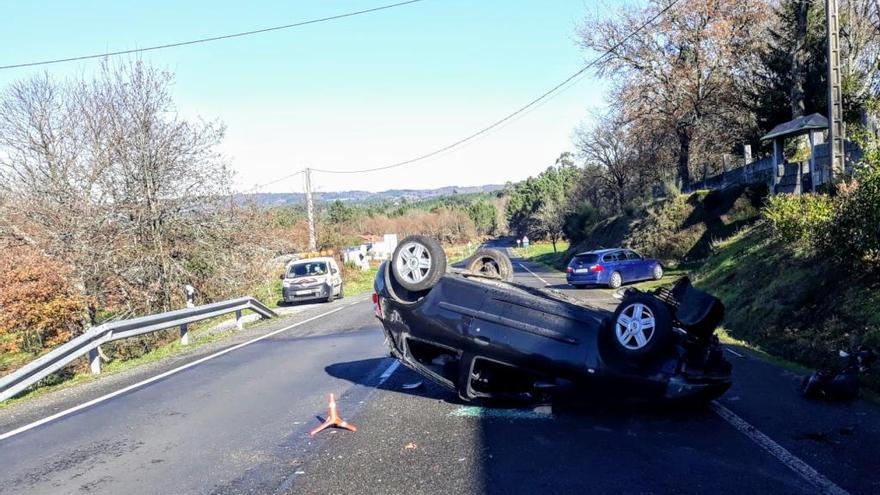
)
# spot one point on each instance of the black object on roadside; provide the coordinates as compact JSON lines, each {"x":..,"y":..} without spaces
{"x":841,"y":384}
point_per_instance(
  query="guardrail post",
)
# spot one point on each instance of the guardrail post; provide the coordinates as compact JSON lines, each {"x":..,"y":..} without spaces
{"x":239,"y":322}
{"x":95,"y":361}
{"x":184,"y":334}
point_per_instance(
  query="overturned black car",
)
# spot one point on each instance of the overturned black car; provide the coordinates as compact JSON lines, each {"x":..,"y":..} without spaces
{"x":475,"y":331}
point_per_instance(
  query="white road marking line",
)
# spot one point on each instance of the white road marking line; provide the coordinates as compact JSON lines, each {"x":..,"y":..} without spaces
{"x":778,"y":451}
{"x":388,"y":372}
{"x":533,"y":273}
{"x":728,"y":349}
{"x":163,"y":375}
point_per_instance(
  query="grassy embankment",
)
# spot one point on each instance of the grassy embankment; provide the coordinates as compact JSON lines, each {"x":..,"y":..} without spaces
{"x":798,"y":311}
{"x":542,"y":252}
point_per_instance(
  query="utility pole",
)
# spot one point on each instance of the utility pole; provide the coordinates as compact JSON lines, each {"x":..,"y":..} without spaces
{"x":310,"y":210}
{"x":835,"y":97}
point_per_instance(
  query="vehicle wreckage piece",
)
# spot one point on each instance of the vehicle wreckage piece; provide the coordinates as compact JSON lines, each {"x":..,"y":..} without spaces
{"x":841,"y":383}
{"x":488,"y":338}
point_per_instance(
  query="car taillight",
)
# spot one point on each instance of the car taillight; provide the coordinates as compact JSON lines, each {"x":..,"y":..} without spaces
{"x":377,"y":306}
{"x":597,"y":268}
{"x":569,"y":270}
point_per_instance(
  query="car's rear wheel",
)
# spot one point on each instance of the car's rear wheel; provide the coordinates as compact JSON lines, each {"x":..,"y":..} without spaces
{"x":658,"y":272}
{"x":615,"y":281}
{"x":418,"y":263}
{"x":491,"y":263}
{"x":641,"y":326}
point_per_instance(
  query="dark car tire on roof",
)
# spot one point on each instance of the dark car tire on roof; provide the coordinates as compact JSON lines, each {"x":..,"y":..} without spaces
{"x":640,"y":328}
{"x":418,"y":263}
{"x":491,"y":263}
{"x":615,"y":280}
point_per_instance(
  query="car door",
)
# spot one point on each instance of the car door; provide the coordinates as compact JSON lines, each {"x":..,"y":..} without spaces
{"x":637,"y":265}
{"x":616,"y":263}
{"x":335,"y":277}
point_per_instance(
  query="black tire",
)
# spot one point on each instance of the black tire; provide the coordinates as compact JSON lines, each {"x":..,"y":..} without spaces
{"x":657,"y":273}
{"x":427,"y":269}
{"x":491,"y":263}
{"x":635,"y":341}
{"x":615,"y":281}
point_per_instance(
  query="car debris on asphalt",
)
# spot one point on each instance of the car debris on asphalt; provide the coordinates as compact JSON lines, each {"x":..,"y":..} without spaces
{"x":841,"y":383}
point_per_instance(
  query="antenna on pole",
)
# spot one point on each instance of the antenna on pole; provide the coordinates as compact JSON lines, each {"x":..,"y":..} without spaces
{"x":310,"y":210}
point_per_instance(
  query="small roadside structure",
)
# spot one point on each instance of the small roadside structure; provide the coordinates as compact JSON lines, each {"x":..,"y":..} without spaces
{"x":377,"y":248}
{"x":803,"y":176}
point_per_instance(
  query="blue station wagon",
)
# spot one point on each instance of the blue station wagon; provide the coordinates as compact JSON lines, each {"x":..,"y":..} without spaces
{"x":611,"y":267}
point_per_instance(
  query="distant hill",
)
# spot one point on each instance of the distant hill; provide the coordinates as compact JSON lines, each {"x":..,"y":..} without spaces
{"x":280,"y":199}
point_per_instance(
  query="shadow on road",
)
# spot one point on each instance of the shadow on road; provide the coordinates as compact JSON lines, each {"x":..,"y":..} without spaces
{"x":353,"y":371}
{"x":592,"y":442}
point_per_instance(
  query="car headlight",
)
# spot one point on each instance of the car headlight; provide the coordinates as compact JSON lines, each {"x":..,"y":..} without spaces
{"x":285,"y":283}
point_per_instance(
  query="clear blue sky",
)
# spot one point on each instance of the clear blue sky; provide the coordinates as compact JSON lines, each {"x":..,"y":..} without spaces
{"x":358,"y":92}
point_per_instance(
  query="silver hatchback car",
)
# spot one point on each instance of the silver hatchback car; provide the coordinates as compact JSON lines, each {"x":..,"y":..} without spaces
{"x":311,"y":278}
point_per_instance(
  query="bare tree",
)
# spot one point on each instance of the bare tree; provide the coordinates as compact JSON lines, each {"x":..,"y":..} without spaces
{"x":679,"y":73}
{"x":105,"y":176}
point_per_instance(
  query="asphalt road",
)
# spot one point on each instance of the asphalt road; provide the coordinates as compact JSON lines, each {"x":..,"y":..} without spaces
{"x":238,"y":423}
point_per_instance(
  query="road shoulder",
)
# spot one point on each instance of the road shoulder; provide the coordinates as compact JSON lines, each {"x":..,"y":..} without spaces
{"x":33,"y":409}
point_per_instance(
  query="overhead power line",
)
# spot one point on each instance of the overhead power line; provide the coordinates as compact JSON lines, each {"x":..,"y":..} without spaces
{"x":513,"y":114}
{"x":213,"y":38}
{"x":257,"y":187}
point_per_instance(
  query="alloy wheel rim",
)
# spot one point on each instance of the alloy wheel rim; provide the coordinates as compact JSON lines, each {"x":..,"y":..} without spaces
{"x":635,"y":326}
{"x":413,"y":262}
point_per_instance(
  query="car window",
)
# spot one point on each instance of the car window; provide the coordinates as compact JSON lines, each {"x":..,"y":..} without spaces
{"x":632,"y":255}
{"x":314,"y":268}
{"x":611,"y":257}
{"x":585,"y":259}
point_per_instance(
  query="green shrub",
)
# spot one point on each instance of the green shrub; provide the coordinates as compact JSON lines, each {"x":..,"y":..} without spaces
{"x":854,"y":230}
{"x":800,"y":221}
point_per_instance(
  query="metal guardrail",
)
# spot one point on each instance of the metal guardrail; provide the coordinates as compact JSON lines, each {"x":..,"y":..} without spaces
{"x":88,"y":343}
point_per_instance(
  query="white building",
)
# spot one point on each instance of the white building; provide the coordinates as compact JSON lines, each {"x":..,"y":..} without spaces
{"x":377,"y":248}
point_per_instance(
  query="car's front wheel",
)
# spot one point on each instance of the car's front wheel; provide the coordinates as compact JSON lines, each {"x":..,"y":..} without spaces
{"x":418,"y":263}
{"x":641,"y":326}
